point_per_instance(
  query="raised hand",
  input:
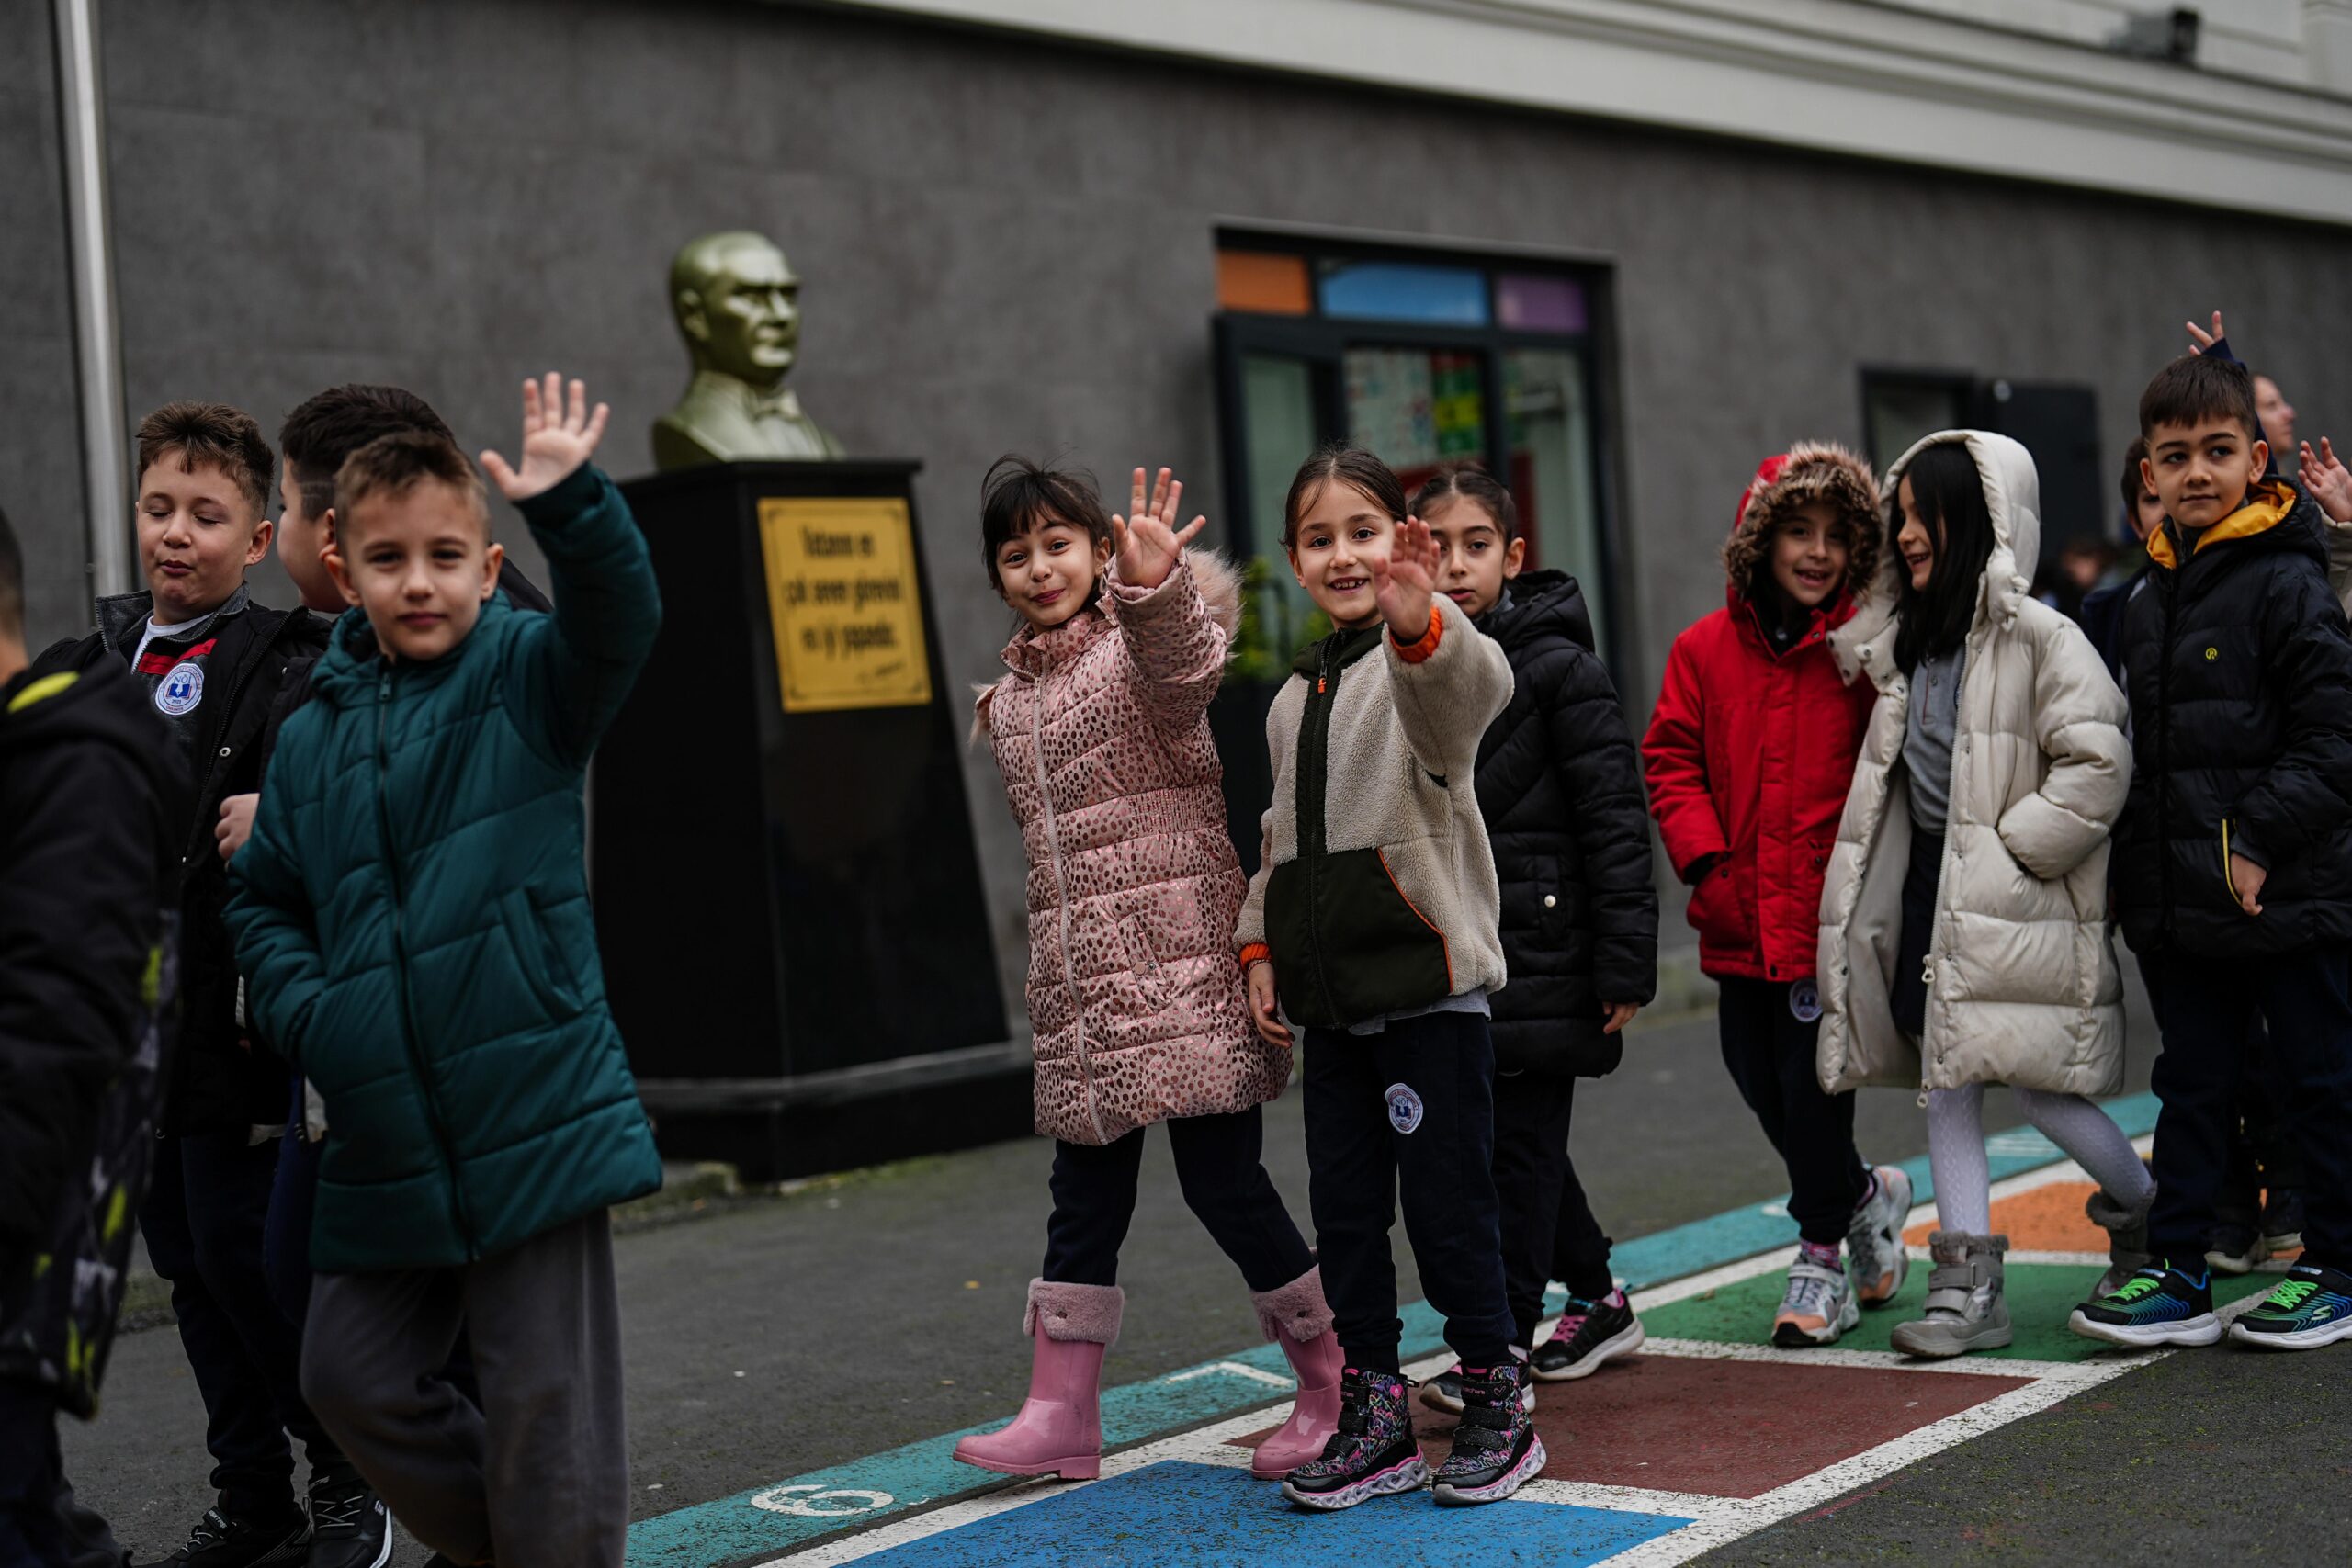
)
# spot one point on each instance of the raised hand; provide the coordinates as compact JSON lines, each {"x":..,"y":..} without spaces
{"x":1403,"y":584}
{"x":2200,"y":340}
{"x":1147,"y":540}
{"x":556,"y":440}
{"x":2330,"y":482}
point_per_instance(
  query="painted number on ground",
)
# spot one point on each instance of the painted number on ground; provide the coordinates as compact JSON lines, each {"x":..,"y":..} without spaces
{"x":821,"y":1503}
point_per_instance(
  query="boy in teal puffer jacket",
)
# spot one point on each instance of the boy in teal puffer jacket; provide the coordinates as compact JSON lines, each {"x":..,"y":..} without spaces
{"x":411,"y":915}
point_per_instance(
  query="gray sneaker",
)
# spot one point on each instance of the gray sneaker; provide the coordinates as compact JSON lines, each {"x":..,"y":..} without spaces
{"x":1817,"y":1307}
{"x":1875,"y":1257}
{"x":2127,"y":1238}
{"x":1964,"y":1307}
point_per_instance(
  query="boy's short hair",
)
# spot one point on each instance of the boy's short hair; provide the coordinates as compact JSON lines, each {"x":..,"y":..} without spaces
{"x":214,"y":434}
{"x":320,"y":432}
{"x":2196,"y":387}
{"x":12,"y":581}
{"x":2129,"y":482}
{"x":396,"y":464}
{"x":1470,"y":482}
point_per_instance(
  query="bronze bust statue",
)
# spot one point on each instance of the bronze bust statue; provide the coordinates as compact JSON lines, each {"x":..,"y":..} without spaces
{"x":737,"y":301}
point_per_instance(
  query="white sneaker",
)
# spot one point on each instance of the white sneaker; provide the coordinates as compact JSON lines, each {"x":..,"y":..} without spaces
{"x":1818,"y":1306}
{"x":1875,"y":1257}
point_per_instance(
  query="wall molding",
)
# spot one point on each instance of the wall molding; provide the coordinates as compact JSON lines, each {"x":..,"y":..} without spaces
{"x":1842,"y":76}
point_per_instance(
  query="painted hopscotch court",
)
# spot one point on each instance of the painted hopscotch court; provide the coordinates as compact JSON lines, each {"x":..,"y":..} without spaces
{"x":1704,"y":1434}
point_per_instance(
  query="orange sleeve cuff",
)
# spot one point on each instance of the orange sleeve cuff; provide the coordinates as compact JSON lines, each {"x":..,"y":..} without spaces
{"x":1414,"y":652}
{"x":1253,"y":953}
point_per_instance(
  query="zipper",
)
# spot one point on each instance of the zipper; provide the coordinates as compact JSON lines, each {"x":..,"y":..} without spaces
{"x":1314,"y":755}
{"x":2165,"y":646}
{"x":212,"y":754}
{"x":1061,"y":904}
{"x":400,"y":966}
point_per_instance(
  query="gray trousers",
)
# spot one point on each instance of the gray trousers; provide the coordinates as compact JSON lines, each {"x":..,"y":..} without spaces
{"x":538,"y":1476}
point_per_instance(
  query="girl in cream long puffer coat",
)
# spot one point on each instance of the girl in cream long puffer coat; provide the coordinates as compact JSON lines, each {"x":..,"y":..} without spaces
{"x":1964,"y":937}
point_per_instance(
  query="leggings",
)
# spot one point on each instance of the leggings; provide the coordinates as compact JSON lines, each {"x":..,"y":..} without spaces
{"x":1963,"y":1179}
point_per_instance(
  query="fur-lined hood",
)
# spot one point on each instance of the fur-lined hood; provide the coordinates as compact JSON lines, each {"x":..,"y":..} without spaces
{"x":1808,"y":471}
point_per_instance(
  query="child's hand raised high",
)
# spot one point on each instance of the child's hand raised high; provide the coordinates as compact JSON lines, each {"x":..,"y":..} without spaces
{"x":555,"y":440}
{"x":1404,"y":585}
{"x":2330,"y":482}
{"x":1147,"y":541}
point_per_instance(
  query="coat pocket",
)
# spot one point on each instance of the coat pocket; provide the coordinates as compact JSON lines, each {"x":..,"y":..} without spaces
{"x":1349,"y":944}
{"x":541,"y":966}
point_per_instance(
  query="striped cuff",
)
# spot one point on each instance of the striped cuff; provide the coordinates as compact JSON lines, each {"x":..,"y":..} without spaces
{"x":1414,"y":652}
{"x":1255,"y":952}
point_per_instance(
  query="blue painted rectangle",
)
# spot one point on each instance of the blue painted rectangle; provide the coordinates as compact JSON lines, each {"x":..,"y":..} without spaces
{"x":1405,"y":291}
{"x":1179,"y":1513}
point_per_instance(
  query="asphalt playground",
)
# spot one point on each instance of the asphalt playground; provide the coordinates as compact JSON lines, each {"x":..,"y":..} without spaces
{"x":801,"y":1364}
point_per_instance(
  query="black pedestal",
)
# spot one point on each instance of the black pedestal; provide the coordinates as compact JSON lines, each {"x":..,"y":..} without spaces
{"x":795,"y":938}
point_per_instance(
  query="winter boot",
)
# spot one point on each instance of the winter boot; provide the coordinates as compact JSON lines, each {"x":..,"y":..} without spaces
{"x":1297,"y":1318}
{"x":2126,"y":1225}
{"x":1059,"y":1429}
{"x":1496,"y":1450}
{"x":1372,"y":1453}
{"x":1964,"y":1307}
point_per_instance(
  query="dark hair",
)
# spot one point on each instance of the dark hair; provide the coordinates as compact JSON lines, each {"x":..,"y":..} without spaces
{"x":12,"y":581}
{"x":1948,"y":495}
{"x":2129,"y":482}
{"x":1470,"y":482}
{"x":320,"y":434}
{"x":1019,"y":495}
{"x":1350,"y":465}
{"x":212,"y":433}
{"x":397,"y":463}
{"x":2198,"y":386}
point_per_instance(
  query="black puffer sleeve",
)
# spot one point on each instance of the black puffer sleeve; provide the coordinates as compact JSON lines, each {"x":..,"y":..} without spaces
{"x":1602,"y":776}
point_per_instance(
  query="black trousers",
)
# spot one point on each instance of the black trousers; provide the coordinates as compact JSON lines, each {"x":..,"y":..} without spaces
{"x":2262,"y":1155}
{"x":2207,"y":1008}
{"x":1224,"y":1184}
{"x":206,"y":1213}
{"x":1412,"y":1106}
{"x":1770,"y":1051}
{"x":1548,"y":1231}
{"x":31,"y":1533}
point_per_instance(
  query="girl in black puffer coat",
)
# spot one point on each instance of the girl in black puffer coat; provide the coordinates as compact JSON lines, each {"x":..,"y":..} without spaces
{"x":1560,"y":787}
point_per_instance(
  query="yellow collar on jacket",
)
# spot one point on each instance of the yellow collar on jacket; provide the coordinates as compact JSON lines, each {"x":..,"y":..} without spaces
{"x":2268,"y":505}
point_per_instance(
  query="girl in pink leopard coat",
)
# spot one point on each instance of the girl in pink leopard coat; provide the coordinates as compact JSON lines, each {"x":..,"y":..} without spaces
{"x":1101,"y":730}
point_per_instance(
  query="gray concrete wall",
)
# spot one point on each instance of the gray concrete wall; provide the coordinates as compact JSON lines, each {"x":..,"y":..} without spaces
{"x":1008,"y":244}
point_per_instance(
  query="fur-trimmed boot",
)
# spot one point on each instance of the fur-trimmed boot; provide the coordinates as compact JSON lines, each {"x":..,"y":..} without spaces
{"x":1966,"y":1311}
{"x":1297,"y":1318}
{"x":1059,"y":1429}
{"x":2127,"y":1238}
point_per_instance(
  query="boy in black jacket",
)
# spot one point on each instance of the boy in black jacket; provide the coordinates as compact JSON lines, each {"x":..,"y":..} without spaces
{"x":211,"y":662}
{"x":2233,"y":858}
{"x":91,"y":805}
{"x":1560,"y":787}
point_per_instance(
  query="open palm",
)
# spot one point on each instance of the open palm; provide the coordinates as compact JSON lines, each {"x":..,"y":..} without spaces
{"x":2330,"y":482}
{"x":556,"y":438}
{"x":1405,"y":585}
{"x":1146,"y":539}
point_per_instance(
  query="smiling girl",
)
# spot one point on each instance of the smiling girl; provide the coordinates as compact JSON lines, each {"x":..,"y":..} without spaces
{"x":1373,"y":925}
{"x":1101,"y":729}
{"x":1965,"y":917}
{"x":1749,"y":752}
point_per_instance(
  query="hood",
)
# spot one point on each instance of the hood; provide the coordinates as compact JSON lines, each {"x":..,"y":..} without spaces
{"x":2013,"y":496}
{"x":1808,"y":471}
{"x":1536,"y":605}
{"x":105,"y":702}
{"x":2277,"y":513}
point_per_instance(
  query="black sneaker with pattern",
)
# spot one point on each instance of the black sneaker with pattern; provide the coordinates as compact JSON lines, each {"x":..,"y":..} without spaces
{"x":1588,"y":1334}
{"x":1496,"y":1450}
{"x":1372,"y":1455}
{"x":222,"y":1540}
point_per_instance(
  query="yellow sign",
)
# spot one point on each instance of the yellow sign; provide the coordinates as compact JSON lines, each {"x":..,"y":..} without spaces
{"x":845,"y":602}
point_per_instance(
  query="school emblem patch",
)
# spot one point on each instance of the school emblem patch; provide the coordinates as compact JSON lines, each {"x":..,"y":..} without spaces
{"x":1805,"y":1001}
{"x":1404,"y":1107}
{"x":181,"y":689}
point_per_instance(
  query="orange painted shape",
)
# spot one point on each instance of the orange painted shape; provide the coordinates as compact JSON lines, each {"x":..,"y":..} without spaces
{"x":1263,"y":282}
{"x":2045,"y":1219}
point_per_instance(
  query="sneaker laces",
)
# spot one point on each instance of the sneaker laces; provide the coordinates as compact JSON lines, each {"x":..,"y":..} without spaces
{"x":209,"y":1531}
{"x":1811,"y":1289}
{"x":1572,"y":1321}
{"x":339,"y":1510}
{"x":2144,"y":1284}
{"x":2290,"y":1294}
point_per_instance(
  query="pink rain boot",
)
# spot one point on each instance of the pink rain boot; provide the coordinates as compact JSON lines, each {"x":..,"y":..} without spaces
{"x":1059,"y":1429}
{"x":1297,"y":1317}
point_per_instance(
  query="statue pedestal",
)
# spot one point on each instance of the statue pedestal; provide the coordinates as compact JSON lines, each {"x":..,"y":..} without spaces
{"x":795,"y":938}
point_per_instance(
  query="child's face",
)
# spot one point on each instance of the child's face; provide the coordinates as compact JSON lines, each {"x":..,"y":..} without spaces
{"x":1915,"y":542}
{"x":197,"y":535}
{"x":2147,"y":514}
{"x":2202,"y":471}
{"x":1048,"y":571}
{"x":302,"y":542}
{"x":418,"y":565}
{"x":1474,"y":561}
{"x":1809,"y":552}
{"x":1342,"y":534}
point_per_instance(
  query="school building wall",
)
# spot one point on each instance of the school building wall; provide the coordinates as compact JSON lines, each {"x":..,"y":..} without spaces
{"x":1008,"y":242}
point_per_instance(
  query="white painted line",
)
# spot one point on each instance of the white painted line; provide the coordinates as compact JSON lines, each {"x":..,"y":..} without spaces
{"x":1872,"y":1360}
{"x":1233,"y":1369}
{"x":1634,"y":1499}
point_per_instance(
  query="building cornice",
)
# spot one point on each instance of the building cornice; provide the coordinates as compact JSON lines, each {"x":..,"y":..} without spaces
{"x":1842,"y":76}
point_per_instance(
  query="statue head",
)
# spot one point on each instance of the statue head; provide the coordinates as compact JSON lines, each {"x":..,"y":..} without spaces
{"x":737,"y":302}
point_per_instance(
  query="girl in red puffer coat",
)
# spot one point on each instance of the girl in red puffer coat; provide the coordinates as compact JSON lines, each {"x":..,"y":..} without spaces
{"x":1137,"y":1008}
{"x":1749,"y":754}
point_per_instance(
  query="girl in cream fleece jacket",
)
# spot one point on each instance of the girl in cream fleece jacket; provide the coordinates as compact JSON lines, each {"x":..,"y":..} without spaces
{"x":1373,"y":925}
